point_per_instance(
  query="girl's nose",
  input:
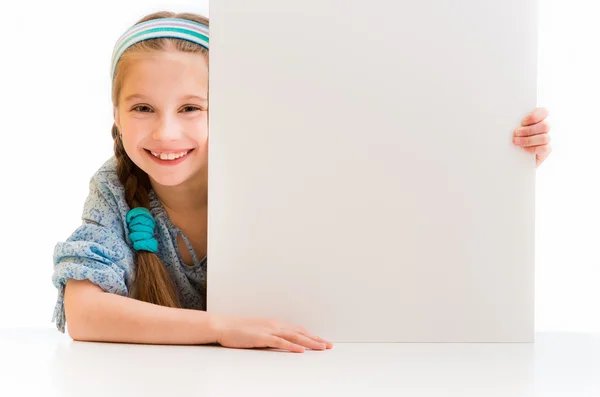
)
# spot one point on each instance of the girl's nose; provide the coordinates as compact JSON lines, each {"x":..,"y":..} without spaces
{"x":166,"y":129}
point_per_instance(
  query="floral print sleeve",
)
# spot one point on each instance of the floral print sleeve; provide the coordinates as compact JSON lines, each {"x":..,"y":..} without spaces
{"x":97,"y":250}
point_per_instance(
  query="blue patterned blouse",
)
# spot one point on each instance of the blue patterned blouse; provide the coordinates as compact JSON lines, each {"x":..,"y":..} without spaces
{"x":101,"y":251}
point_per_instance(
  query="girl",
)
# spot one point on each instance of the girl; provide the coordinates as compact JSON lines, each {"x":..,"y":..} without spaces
{"x":143,"y":237}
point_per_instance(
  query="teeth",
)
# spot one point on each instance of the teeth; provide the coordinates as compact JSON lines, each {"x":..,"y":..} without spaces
{"x":170,"y":156}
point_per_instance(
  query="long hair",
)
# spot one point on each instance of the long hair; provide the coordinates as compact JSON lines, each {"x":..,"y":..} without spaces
{"x":152,"y":282}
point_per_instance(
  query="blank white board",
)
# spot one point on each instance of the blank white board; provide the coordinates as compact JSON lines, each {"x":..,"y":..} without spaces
{"x":363,"y":182}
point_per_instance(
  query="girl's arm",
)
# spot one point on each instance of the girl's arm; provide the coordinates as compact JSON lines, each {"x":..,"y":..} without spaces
{"x":95,"y":315}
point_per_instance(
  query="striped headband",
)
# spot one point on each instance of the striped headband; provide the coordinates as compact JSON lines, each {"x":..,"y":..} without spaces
{"x":164,"y":27}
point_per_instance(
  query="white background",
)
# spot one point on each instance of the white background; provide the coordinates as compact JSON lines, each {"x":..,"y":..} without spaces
{"x":56,"y":119}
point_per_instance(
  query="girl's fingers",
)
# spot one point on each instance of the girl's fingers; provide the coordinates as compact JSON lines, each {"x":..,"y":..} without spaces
{"x":301,"y":339}
{"x":541,"y":151}
{"x":536,"y":129}
{"x":277,"y":342}
{"x":536,"y":116}
{"x":304,"y":332}
{"x":535,"y":140}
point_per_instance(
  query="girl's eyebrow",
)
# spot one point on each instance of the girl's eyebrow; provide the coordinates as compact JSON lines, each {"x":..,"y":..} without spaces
{"x":134,"y":96}
{"x":185,"y":97}
{"x":199,"y":98}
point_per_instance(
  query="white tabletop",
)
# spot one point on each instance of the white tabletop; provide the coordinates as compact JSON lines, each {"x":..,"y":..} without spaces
{"x":44,"y":362}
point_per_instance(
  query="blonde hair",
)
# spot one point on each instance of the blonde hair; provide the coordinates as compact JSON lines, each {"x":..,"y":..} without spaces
{"x":152,"y":281}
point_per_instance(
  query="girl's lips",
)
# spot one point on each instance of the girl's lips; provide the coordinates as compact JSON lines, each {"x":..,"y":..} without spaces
{"x":169,"y":151}
{"x":169,"y":162}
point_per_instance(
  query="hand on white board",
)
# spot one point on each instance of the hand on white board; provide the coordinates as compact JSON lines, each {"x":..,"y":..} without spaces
{"x":248,"y":333}
{"x":533,"y":135}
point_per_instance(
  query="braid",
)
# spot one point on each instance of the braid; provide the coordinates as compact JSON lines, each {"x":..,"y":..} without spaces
{"x":152,"y":281}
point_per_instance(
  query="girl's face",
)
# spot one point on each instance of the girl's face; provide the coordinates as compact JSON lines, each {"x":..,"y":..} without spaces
{"x":163,"y":108}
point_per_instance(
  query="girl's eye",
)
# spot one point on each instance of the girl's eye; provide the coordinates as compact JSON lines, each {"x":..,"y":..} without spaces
{"x":142,"y":108}
{"x":147,"y":109}
{"x":190,"y":108}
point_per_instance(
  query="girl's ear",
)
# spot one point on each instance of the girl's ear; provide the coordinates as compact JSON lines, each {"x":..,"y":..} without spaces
{"x":116,"y":117}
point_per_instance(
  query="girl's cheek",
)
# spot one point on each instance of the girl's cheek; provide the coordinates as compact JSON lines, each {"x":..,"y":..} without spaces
{"x":138,"y":126}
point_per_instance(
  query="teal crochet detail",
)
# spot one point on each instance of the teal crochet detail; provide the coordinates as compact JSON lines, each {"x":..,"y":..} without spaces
{"x":141,"y":229}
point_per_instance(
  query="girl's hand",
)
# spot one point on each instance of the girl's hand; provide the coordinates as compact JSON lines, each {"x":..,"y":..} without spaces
{"x":247,"y":333}
{"x":533,"y":135}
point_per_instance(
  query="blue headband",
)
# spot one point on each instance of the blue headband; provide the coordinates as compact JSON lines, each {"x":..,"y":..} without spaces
{"x":156,"y":28}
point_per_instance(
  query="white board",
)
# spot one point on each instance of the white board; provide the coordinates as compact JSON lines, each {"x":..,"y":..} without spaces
{"x":363,"y":182}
